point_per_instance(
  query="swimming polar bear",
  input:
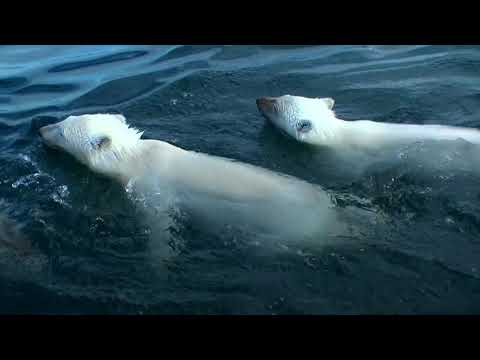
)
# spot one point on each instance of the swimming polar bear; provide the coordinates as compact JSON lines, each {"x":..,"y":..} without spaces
{"x":313,"y":121}
{"x":214,"y":188}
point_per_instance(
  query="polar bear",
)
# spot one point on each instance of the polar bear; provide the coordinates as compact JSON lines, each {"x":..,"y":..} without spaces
{"x":214,"y":188}
{"x":313,"y":121}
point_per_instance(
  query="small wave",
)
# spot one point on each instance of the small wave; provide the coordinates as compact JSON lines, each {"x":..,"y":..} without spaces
{"x":7,"y":84}
{"x":127,"y":55}
{"x":187,"y":52}
{"x":60,"y":195}
{"x":46,"y":88}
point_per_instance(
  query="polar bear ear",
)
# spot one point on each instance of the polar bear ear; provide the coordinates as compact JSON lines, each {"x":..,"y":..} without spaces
{"x":101,"y":142}
{"x":329,"y":102}
{"x":121,"y":118}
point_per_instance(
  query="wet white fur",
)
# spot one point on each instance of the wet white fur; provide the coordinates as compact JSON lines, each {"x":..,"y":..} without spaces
{"x":107,"y":145}
{"x":330,"y":131}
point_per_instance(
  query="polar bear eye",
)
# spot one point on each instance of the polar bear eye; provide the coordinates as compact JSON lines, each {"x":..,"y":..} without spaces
{"x":304,"y":126}
{"x":101,"y":142}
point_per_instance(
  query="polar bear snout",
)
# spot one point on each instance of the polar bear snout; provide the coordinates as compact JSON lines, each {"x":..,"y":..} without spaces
{"x":46,"y":131}
{"x":266,"y":104}
{"x":51,"y":134}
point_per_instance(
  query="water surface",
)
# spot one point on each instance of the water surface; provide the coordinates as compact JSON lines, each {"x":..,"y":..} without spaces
{"x":91,"y":253}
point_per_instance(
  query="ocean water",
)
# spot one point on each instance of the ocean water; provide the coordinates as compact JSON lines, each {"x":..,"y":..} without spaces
{"x":72,"y":242}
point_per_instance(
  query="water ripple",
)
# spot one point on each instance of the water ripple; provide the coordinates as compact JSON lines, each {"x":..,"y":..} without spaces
{"x":419,"y":253}
{"x":98,"y":61}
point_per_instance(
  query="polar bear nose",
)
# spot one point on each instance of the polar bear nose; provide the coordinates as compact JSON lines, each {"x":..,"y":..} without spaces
{"x":50,"y":134}
{"x":266,"y":103}
{"x":45,"y":130}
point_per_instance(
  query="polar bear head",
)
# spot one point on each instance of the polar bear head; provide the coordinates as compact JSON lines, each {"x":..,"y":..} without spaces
{"x":304,"y":119}
{"x":99,"y":141}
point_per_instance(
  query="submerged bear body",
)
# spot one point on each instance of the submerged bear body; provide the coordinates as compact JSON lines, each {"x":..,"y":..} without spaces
{"x":217,"y":189}
{"x":313,"y":121}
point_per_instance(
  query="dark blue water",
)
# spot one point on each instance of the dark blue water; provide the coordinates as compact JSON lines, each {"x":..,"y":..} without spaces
{"x":72,"y":242}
